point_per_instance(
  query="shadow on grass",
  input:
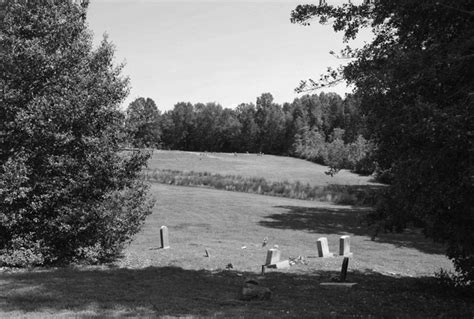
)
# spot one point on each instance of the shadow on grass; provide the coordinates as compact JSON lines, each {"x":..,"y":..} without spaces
{"x":178,"y":292}
{"x":342,"y":221}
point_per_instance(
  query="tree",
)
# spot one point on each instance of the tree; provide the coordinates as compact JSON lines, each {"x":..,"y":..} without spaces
{"x":206,"y":127}
{"x":183,"y":118}
{"x":270,"y":120}
{"x":67,"y":193}
{"x":143,"y":123}
{"x":249,"y":129}
{"x":415,"y":85}
{"x":229,"y":131}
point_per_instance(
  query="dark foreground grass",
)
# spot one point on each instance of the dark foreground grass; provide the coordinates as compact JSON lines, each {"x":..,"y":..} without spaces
{"x":361,"y":195}
{"x":173,"y":291}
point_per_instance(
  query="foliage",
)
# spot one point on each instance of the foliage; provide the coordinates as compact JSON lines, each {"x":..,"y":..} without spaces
{"x":336,"y":154}
{"x":267,"y":127}
{"x":414,"y":82}
{"x":66,"y":192}
{"x":143,"y":123}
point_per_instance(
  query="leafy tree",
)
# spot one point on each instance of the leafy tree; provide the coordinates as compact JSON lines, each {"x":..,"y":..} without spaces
{"x":206,"y":126}
{"x":66,"y":192}
{"x":229,"y":131}
{"x":143,"y":123}
{"x":249,"y":129}
{"x":415,"y":85}
{"x":270,"y":120}
{"x":183,"y":120}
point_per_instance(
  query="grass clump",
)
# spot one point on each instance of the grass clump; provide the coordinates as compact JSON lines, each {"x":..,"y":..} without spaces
{"x":341,"y":194}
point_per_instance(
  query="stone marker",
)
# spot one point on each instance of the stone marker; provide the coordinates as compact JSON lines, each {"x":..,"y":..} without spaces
{"x":165,"y":244}
{"x":345,"y":246}
{"x":345,"y":264}
{"x":273,"y":256}
{"x":323,"y":248}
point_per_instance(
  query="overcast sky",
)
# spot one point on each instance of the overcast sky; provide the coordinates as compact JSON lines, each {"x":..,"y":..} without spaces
{"x":222,"y":51}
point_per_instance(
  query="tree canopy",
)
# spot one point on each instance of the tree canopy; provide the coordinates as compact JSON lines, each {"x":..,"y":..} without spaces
{"x":67,"y":193}
{"x":415,"y":85}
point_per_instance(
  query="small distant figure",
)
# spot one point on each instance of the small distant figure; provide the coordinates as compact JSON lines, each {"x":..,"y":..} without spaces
{"x":229,"y":266}
{"x":265,"y":241}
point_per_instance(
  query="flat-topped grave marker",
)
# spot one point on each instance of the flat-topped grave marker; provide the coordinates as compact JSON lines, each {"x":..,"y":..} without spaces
{"x":345,"y":246}
{"x":323,"y":248}
{"x":273,"y":256}
{"x":165,"y":243}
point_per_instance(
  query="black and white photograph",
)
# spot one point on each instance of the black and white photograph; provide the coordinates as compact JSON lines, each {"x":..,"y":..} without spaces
{"x":236,"y":159}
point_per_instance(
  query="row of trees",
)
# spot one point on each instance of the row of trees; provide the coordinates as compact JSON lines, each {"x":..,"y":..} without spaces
{"x":266,"y":127}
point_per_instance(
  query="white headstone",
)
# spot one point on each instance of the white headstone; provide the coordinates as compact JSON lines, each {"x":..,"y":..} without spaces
{"x":345,"y":246}
{"x":323,"y":248}
{"x":165,"y":244}
{"x":273,"y":256}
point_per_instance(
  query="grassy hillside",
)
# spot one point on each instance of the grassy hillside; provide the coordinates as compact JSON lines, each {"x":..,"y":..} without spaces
{"x":269,"y":167}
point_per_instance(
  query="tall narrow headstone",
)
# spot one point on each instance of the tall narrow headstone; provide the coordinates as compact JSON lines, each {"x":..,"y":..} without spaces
{"x":323,"y":248}
{"x":273,"y":256}
{"x":345,"y":246}
{"x":165,"y":244}
{"x":345,"y":264}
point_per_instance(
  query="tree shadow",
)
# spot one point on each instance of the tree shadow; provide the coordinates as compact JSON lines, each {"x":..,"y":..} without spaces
{"x":173,"y":291}
{"x":341,"y":221}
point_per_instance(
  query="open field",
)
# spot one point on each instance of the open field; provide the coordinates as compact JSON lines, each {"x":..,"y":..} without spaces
{"x":394,"y":273}
{"x":270,"y":167}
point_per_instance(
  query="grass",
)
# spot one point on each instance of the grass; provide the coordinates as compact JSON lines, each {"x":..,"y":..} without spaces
{"x":394,"y":273}
{"x":362,"y":195}
{"x":269,"y":167}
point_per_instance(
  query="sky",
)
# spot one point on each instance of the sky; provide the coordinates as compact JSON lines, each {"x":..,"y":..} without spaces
{"x":225,"y":51}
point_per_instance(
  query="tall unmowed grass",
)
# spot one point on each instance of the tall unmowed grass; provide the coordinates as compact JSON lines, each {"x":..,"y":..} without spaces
{"x":359,"y":195}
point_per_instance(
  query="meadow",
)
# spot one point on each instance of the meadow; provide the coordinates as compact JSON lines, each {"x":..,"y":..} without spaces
{"x":269,"y":167}
{"x":394,"y":273}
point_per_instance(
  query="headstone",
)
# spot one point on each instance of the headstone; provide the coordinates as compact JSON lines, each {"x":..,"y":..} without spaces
{"x":345,"y":246}
{"x":165,"y":244}
{"x":345,"y":264}
{"x":323,"y":248}
{"x":273,"y":256}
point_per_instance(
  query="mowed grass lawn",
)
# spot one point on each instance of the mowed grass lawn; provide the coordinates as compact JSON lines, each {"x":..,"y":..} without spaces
{"x":271,"y":168}
{"x":393,"y":273}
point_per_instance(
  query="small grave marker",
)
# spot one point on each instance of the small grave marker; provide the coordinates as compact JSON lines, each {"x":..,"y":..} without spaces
{"x":273,"y":256}
{"x":345,"y":246}
{"x":165,"y":244}
{"x":323,"y":248}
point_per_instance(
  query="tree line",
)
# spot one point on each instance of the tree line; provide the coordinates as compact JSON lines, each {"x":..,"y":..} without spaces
{"x":323,"y":128}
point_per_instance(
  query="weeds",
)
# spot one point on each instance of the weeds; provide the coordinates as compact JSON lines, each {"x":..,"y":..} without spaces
{"x":339,"y":194}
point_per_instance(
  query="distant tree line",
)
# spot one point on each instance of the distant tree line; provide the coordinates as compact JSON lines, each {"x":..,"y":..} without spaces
{"x":323,"y":128}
